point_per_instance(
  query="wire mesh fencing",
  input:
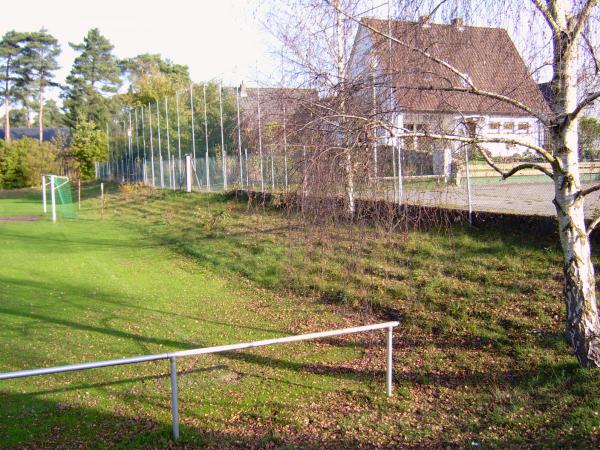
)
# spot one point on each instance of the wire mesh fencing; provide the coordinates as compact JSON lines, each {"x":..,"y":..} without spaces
{"x":396,"y":176}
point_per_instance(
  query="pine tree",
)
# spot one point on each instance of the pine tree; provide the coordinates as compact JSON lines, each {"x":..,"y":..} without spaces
{"x":38,"y":67}
{"x":11,"y":77}
{"x":95,"y":73}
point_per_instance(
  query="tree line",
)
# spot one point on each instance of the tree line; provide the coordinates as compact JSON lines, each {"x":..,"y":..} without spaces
{"x":90,"y":95}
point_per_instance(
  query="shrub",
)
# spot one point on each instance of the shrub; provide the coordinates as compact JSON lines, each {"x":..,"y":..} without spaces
{"x":22,"y":162}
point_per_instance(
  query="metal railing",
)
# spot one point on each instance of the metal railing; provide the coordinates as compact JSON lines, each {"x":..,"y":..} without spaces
{"x":207,"y":350}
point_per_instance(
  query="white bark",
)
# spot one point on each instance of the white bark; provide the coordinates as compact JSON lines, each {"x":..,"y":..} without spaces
{"x":582,"y":323}
{"x":341,"y":76}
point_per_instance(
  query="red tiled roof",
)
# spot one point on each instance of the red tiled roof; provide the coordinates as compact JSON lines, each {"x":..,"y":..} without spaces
{"x":487,"y":55}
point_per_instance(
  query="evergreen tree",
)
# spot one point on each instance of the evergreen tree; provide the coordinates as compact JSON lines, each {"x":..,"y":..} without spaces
{"x":38,"y":66}
{"x":12,"y":82}
{"x":95,"y":73}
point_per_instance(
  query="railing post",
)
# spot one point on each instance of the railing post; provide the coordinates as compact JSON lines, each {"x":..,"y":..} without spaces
{"x":389,"y":360}
{"x":174,"y":401}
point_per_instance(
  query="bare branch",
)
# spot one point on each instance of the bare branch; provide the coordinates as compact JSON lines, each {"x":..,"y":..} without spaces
{"x":591,"y":98}
{"x":526,"y":166}
{"x":593,"y":225}
{"x":547,"y":15}
{"x":515,"y":169}
{"x":590,"y":190}
{"x":592,"y":51}
{"x":473,"y":88}
{"x":583,"y":16}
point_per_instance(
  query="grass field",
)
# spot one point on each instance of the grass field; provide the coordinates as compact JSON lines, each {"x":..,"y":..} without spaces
{"x":480,"y":359}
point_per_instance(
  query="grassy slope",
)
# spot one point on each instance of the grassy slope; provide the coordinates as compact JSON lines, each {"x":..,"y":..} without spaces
{"x":480,"y":354}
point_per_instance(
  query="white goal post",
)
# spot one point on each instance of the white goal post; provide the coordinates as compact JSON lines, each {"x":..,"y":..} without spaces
{"x":54,"y":182}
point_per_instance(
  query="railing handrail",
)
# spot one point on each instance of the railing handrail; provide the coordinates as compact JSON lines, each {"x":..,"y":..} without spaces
{"x":172,"y":356}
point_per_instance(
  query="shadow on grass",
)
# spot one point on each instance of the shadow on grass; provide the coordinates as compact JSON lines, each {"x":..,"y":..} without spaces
{"x":45,"y":423}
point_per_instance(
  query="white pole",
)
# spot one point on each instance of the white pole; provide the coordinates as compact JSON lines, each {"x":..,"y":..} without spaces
{"x":192,"y":113}
{"x":151,"y":145}
{"x":171,"y":182}
{"x":246,"y":160}
{"x":123,"y":157}
{"x":285,"y":162}
{"x":207,"y":162}
{"x":129,"y":143}
{"x":469,"y":185}
{"x":173,"y":170}
{"x":137,"y":139}
{"x":108,"y":148}
{"x":395,"y":174}
{"x":260,"y":154}
{"x":390,"y":361}
{"x":178,"y":135}
{"x":400,"y":183}
{"x":223,"y":150}
{"x":145,"y":178}
{"x":53,"y":198}
{"x":237,"y":98}
{"x":160,"y":160}
{"x":188,"y":173}
{"x":44,"y":193}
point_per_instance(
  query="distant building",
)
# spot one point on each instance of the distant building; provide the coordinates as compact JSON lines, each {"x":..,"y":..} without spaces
{"x":426,"y":96}
{"x":50,"y":134}
{"x":288,"y":109}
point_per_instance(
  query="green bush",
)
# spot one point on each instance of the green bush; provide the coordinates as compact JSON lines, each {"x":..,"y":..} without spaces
{"x":23,"y":162}
{"x":88,"y":145}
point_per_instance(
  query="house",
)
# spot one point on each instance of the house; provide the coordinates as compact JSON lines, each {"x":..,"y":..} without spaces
{"x":284,"y":112}
{"x":409,"y":85}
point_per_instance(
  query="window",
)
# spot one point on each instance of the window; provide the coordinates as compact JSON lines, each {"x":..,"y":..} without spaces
{"x":509,"y":127}
{"x":415,"y":143}
{"x":494,"y":127}
{"x":523,"y":128}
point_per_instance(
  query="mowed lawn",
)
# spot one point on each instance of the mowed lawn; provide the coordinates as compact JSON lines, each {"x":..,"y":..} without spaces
{"x":91,"y":289}
{"x":480,"y":357}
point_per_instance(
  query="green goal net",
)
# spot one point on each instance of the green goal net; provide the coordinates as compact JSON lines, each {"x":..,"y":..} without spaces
{"x":58,"y":196}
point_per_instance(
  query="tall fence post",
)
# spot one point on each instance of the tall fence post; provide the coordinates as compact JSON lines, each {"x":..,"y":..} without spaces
{"x":188,"y":173}
{"x":469,"y":199}
{"x":174,"y":399}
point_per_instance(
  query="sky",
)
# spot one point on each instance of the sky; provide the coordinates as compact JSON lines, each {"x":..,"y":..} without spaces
{"x":217,"y":39}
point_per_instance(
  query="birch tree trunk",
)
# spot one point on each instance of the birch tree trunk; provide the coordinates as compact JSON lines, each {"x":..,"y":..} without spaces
{"x":582,"y":323}
{"x":341,"y":77}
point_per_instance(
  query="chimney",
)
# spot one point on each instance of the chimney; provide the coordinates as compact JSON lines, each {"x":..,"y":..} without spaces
{"x":458,"y":23}
{"x":424,"y":21}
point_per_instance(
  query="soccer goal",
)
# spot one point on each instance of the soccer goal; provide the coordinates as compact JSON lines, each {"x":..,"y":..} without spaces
{"x":61,"y":198}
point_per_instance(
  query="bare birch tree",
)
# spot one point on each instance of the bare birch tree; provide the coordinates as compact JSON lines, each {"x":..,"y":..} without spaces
{"x":569,"y":34}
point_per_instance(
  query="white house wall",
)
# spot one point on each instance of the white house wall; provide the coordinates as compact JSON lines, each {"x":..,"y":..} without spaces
{"x":452,"y":124}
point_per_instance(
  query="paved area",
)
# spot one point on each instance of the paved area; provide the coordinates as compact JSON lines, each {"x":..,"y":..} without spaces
{"x":516,"y":198}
